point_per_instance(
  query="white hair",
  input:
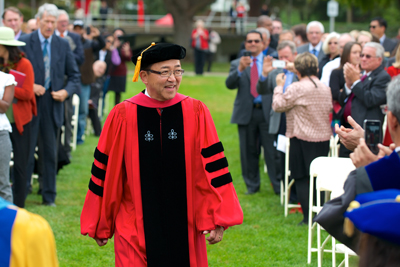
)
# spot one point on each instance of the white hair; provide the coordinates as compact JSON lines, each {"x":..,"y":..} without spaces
{"x":325,"y":45}
{"x":379,"y":50}
{"x":50,"y":9}
{"x":315,"y":23}
{"x":63,"y":12}
{"x":393,"y":97}
{"x":265,"y":31}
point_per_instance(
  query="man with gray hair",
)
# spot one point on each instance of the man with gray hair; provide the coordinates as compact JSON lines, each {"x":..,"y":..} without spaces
{"x":266,"y":84}
{"x":373,"y":173}
{"x":315,"y":30}
{"x":363,"y":96}
{"x":52,"y":59}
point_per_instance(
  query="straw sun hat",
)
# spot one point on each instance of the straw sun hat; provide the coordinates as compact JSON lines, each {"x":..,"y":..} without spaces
{"x":7,"y":37}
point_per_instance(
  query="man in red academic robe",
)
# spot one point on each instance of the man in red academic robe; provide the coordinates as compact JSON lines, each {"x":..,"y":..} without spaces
{"x":160,"y":180}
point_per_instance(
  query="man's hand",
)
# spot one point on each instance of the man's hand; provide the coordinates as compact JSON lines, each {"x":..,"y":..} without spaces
{"x":267,"y":66}
{"x":38,"y":89}
{"x":101,"y":242}
{"x":215,"y":235}
{"x":280,"y":79}
{"x":290,"y":67}
{"x":94,"y":32}
{"x":60,"y":95}
{"x":244,"y":62}
{"x":362,"y":155}
{"x":351,"y":74}
{"x":350,"y":138}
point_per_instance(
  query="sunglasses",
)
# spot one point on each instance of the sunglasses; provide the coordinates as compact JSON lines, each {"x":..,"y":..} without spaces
{"x":255,"y":41}
{"x":332,"y":43}
{"x":372,"y":26}
{"x":366,"y":56}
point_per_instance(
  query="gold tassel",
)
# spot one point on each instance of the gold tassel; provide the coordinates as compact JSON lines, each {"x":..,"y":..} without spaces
{"x":138,"y":63}
{"x":348,"y":227}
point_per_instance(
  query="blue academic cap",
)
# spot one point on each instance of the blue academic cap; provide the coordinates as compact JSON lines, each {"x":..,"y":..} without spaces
{"x":378,"y":214}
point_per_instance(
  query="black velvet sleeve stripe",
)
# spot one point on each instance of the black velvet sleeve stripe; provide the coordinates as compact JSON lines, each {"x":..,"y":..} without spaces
{"x":98,"y":173}
{"x":100,"y":157}
{"x":222,"y":180}
{"x":96,"y":189}
{"x":217,"y":165}
{"x":212,"y":150}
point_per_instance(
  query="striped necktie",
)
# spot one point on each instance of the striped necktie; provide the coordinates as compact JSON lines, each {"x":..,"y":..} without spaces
{"x":46,"y":61}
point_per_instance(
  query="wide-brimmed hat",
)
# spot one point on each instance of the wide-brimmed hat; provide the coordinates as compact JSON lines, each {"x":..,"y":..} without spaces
{"x":7,"y":37}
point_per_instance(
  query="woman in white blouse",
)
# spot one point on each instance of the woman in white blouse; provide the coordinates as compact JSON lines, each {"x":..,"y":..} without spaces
{"x":7,"y":83}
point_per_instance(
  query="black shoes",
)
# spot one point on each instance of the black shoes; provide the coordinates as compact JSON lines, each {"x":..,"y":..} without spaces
{"x":50,"y":204}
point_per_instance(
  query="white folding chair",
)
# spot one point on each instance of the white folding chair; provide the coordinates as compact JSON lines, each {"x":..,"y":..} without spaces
{"x":288,"y":185}
{"x":74,"y":121}
{"x":330,"y":174}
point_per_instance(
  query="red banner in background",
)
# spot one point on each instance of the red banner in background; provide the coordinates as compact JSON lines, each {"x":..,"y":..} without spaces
{"x":78,"y":4}
{"x":140,"y":12}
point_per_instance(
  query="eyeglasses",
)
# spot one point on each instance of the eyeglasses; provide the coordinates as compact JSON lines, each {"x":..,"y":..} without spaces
{"x":167,"y":73}
{"x":372,"y":26}
{"x":250,"y":41}
{"x":367,"y":56}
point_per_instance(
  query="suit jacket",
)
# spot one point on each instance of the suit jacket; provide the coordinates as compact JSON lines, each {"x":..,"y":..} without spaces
{"x":62,"y":63}
{"x":267,"y":87}
{"x":304,"y":48}
{"x":243,"y":106}
{"x":368,"y":96}
{"x":389,"y":45}
{"x":78,"y":51}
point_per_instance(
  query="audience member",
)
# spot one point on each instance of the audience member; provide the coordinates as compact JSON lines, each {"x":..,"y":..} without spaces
{"x":354,"y":34}
{"x":200,"y":38}
{"x":118,"y":72}
{"x":213,"y":42}
{"x":92,"y":43}
{"x":45,"y":49}
{"x":13,"y":18}
{"x":264,"y":10}
{"x":378,"y":27}
{"x":300,"y":33}
{"x":251,"y":113}
{"x":331,"y":50}
{"x":277,"y":27}
{"x":323,"y":37}
{"x":362,"y":97}
{"x":7,"y":84}
{"x":335,"y":63}
{"x":373,"y":173}
{"x":394,"y":69}
{"x":315,"y":30}
{"x":309,"y":134}
{"x":363,"y":38}
{"x":31,"y":26}
{"x":103,"y":14}
{"x":21,"y":111}
{"x":96,"y":91}
{"x":266,"y":85}
{"x":26,"y":239}
{"x":240,"y":17}
{"x":286,"y":35}
{"x":266,"y":22}
{"x":232,"y":15}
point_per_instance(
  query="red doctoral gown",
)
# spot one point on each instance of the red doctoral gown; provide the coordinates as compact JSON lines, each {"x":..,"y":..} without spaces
{"x":159,"y":179}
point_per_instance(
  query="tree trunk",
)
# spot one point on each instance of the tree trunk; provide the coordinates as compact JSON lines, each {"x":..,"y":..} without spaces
{"x":349,"y":18}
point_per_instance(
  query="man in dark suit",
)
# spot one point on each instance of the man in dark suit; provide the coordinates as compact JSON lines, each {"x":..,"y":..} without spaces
{"x":13,"y":18}
{"x":251,"y":113}
{"x":373,"y":173}
{"x":378,"y":27}
{"x":315,"y":30}
{"x":267,"y":50}
{"x":62,"y":31}
{"x":363,"y":96}
{"x":52,"y":59}
{"x":267,"y":83}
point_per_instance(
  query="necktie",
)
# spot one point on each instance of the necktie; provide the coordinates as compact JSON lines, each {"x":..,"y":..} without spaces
{"x":46,"y":61}
{"x":314,"y":51}
{"x":254,"y":78}
{"x":347,"y":108}
{"x":62,"y":35}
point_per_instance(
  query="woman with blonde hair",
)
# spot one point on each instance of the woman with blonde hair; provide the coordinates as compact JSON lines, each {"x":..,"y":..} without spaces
{"x":307,"y":104}
{"x":394,"y":70}
{"x":331,"y":50}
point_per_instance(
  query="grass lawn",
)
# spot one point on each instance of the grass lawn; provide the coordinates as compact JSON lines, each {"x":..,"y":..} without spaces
{"x":266,"y":237}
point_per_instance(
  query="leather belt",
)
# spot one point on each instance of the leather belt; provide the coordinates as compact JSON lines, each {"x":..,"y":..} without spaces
{"x":257,"y":105}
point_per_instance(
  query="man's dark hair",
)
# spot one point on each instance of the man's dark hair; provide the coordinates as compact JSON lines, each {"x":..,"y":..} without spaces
{"x":381,"y":21}
{"x":254,"y":31}
{"x":277,"y":19}
{"x":12,"y":9}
